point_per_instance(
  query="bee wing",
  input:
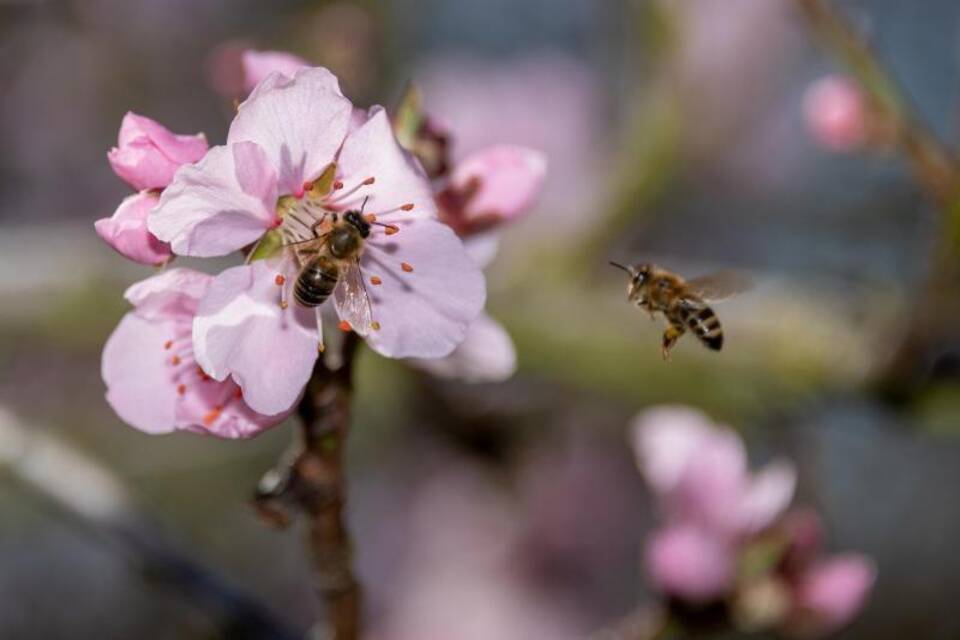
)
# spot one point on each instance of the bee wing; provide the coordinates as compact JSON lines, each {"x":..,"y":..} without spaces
{"x":721,"y":285}
{"x":352,"y":300}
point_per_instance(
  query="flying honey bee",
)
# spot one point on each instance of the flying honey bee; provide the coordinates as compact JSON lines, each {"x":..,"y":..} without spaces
{"x":683,"y":302}
{"x":332,"y":258}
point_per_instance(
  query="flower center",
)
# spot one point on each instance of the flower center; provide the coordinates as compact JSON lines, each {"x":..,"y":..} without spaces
{"x":188,"y":377}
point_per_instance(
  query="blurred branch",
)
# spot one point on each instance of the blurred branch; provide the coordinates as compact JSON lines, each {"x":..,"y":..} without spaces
{"x":93,"y":499}
{"x":935,"y":168}
{"x":310,"y":480}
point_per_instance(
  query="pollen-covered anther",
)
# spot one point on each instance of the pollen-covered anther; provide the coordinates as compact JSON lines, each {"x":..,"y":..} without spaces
{"x":369,"y":180}
{"x":168,"y":344}
{"x":338,"y":185}
{"x":375,"y":325}
{"x":320,"y":347}
{"x":371,"y":217}
{"x":344,"y":326}
{"x":212,"y":416}
{"x":280,"y":279}
{"x":175,"y":361}
{"x":391,"y":229}
{"x":181,"y":389}
{"x":406,"y":266}
{"x":407,"y":207}
{"x":376,"y":280}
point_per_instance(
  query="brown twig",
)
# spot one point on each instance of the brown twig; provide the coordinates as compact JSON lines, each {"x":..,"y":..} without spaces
{"x":936,"y":170}
{"x":310,"y":480}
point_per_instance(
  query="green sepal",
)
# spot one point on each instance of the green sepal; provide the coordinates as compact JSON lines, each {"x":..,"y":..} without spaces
{"x":270,"y":245}
{"x":408,"y":117}
{"x":323,"y":184}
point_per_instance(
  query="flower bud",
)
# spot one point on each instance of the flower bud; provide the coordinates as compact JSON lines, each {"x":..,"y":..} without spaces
{"x":148,"y":154}
{"x":126,"y":231}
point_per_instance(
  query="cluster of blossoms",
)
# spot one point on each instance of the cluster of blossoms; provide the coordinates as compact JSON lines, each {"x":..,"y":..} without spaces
{"x":230,"y":354}
{"x":728,"y":545}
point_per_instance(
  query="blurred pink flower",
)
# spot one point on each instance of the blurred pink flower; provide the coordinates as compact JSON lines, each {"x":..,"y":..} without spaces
{"x":148,"y":154}
{"x":154,"y":382}
{"x":423,"y":288}
{"x":690,"y":563}
{"x":698,"y":472}
{"x":257,"y":65}
{"x":126,"y":231}
{"x":831,"y":592}
{"x":835,"y":113}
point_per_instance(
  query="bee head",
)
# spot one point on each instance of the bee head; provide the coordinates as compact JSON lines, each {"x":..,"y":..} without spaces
{"x":638,"y":273}
{"x":354,"y":218}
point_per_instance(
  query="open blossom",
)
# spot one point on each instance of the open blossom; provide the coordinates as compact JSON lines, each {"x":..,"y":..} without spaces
{"x":726,"y":537}
{"x":146,"y":157}
{"x":295,"y":156}
{"x":153,"y":380}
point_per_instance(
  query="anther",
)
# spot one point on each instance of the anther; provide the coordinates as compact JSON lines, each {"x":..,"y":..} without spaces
{"x":338,"y":185}
{"x":369,"y":180}
{"x":175,"y":361}
{"x":407,"y":207}
{"x":406,"y":267}
{"x":371,"y":217}
{"x":375,"y":325}
{"x":320,"y":347}
{"x":344,"y":326}
{"x":391,"y":229}
{"x":181,"y":389}
{"x":168,"y":344}
{"x":375,"y":280}
{"x":212,"y":416}
{"x":280,"y":279}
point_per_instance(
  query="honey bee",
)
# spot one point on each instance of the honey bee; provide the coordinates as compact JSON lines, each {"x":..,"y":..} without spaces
{"x":683,"y":302}
{"x":330,"y":259}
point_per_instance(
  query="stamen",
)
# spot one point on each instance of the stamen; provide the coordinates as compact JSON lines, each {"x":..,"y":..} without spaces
{"x":391,"y":229}
{"x":175,"y":361}
{"x":319,"y":317}
{"x":203,"y":374}
{"x":375,"y":280}
{"x":344,"y":326}
{"x":168,"y":344}
{"x":371,"y":218}
{"x":375,"y":325}
{"x":407,"y":207}
{"x":212,"y":416}
{"x":369,"y":181}
{"x":406,"y":266}
{"x":280,"y":279}
{"x":338,"y":185}
{"x":181,"y":389}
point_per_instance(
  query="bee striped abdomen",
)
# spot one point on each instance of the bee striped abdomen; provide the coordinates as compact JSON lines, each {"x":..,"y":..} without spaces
{"x":703,"y":322}
{"x":316,"y":282}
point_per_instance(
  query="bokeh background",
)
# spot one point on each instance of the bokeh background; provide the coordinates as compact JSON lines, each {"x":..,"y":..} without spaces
{"x":674,"y":133}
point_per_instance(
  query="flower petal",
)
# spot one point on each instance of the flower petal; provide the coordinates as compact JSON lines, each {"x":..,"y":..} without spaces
{"x":508,"y":180}
{"x":135,"y":368}
{"x":240,"y":331}
{"x":218,"y":409}
{"x":430,"y":290}
{"x":831,"y":593}
{"x":689,"y":564}
{"x":482,"y":247}
{"x":486,"y":354}
{"x":219,"y":205}
{"x":664,"y":440}
{"x":126,"y":231}
{"x":257,"y":65}
{"x":299,"y":122}
{"x":169,"y":293}
{"x":148,"y":154}
{"x":372,"y":151}
{"x":767,"y":496}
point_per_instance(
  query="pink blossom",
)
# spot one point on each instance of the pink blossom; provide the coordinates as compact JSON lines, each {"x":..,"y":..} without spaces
{"x":148,"y":154}
{"x":835,"y":113}
{"x":698,"y":472}
{"x":257,"y":65}
{"x":422,"y":287}
{"x":126,"y":231}
{"x":153,"y":380}
{"x":486,"y":354}
{"x":831,"y":592}
{"x":690,"y":563}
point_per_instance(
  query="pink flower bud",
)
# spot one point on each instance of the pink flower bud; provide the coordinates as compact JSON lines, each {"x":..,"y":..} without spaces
{"x":148,"y":154}
{"x":689,"y":563}
{"x":835,"y":113}
{"x":126,"y":231}
{"x":829,"y":594}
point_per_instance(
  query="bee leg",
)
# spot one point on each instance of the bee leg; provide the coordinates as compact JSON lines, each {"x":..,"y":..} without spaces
{"x":670,"y":337}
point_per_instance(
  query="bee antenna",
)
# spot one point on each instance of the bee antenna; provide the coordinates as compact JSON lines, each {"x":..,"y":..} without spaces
{"x":620,"y":266}
{"x":364,"y":205}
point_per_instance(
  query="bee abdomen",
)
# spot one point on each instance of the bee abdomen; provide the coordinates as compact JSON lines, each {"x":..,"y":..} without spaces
{"x":315,"y":283}
{"x":703,"y":322}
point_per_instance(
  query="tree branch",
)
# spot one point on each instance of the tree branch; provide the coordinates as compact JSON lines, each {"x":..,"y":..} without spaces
{"x":310,"y":480}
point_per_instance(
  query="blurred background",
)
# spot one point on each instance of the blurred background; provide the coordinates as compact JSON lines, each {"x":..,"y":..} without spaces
{"x":675,"y":134}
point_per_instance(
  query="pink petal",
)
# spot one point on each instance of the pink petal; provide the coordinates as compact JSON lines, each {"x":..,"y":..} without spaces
{"x":372,"y":151}
{"x":509,"y":177}
{"x":299,"y":122}
{"x":430,"y":291}
{"x":487,"y":354}
{"x":241,"y":332}
{"x":713,"y":485}
{"x":687,"y":563}
{"x":171,"y":293}
{"x":219,"y":205}
{"x":135,"y":368}
{"x":830,"y":594}
{"x":148,"y":154}
{"x":767,"y":496}
{"x":482,"y":247}
{"x":257,"y":65}
{"x":126,"y":231}
{"x":664,"y":440}
{"x":218,"y":409}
